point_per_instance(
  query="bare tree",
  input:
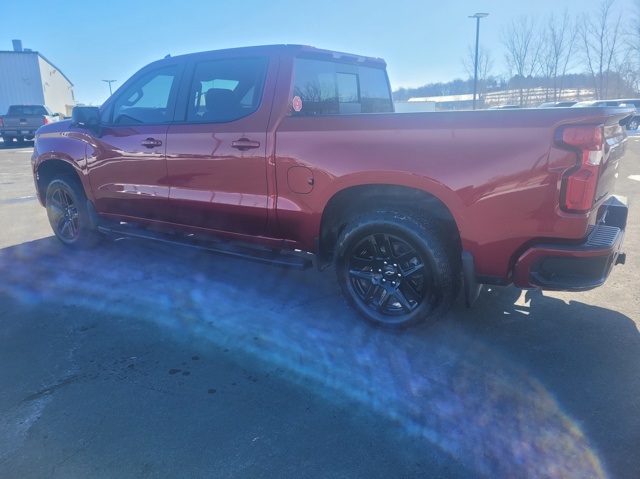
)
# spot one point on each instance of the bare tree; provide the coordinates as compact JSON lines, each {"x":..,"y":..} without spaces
{"x":632,"y":49}
{"x":560,"y":39}
{"x":601,"y":42}
{"x":485,"y":65}
{"x":523,"y":45}
{"x":625,"y":76}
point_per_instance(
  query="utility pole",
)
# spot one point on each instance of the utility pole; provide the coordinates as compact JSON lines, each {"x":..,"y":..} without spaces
{"x":477,"y":16}
{"x":111,"y":81}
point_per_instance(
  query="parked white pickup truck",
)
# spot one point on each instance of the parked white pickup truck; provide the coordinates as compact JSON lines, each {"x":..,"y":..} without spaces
{"x":22,"y":121}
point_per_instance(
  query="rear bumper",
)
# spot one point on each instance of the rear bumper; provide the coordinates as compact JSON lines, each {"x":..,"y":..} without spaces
{"x":26,"y":131}
{"x":577,"y":267}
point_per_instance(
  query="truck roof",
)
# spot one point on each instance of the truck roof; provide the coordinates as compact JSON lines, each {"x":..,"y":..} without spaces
{"x":291,"y":50}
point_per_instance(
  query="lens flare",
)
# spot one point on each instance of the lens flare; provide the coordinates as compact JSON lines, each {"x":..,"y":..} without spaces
{"x":442,"y":385}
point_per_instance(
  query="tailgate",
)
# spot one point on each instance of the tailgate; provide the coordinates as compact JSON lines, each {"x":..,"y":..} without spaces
{"x":615,"y":145}
{"x":27,"y":122}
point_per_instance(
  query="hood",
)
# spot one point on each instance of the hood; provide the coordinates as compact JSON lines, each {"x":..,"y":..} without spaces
{"x":55,"y":127}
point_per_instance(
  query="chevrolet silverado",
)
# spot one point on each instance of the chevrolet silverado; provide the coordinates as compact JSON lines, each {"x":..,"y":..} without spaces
{"x":289,"y":153}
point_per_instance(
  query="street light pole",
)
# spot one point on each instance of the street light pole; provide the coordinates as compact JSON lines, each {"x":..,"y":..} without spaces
{"x":477,"y":16}
{"x":111,"y":81}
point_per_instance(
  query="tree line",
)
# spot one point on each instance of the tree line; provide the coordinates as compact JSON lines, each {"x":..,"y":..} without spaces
{"x":598,"y":51}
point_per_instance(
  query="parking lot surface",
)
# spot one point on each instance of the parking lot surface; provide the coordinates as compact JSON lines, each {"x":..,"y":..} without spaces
{"x":137,"y":359}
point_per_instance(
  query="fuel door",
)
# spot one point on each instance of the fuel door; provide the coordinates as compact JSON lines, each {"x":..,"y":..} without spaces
{"x":300,"y":179}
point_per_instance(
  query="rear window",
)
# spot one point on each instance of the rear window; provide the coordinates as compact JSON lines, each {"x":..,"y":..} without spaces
{"x":332,"y":88}
{"x":27,"y":110}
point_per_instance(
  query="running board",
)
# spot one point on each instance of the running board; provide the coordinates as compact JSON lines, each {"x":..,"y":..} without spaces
{"x":254,"y":253}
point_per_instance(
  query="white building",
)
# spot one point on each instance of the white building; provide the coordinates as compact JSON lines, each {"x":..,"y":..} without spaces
{"x":413,"y":106}
{"x":28,"y":78}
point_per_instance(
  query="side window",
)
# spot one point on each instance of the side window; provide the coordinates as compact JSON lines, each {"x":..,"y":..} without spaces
{"x":148,"y":100}
{"x":333,"y":88}
{"x":226,"y":90}
{"x":315,"y":84}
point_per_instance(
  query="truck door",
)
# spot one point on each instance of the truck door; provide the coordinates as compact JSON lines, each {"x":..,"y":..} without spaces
{"x":127,"y":167}
{"x":216,"y":152}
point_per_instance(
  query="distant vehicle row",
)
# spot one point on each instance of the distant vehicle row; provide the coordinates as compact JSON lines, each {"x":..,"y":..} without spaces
{"x":557,"y":104}
{"x":633,"y":123}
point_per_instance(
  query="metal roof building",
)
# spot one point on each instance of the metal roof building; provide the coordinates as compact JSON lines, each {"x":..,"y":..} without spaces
{"x":27,"y":77}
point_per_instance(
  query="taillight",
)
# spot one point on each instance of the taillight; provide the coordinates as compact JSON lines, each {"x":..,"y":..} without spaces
{"x":46,"y":120}
{"x":1,"y":124}
{"x":579,"y":183}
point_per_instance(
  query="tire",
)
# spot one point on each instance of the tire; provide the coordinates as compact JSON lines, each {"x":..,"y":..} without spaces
{"x":7,"y":139}
{"x":633,"y":124}
{"x":66,"y":205}
{"x":396,"y":270}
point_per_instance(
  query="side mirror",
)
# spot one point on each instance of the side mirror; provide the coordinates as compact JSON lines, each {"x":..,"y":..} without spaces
{"x":86,"y":116}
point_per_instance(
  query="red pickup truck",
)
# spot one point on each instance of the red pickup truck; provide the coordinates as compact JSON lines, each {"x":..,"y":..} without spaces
{"x":264,"y":150}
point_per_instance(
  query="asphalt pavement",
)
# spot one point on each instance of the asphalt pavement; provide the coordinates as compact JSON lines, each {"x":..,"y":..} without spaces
{"x":141,"y":360}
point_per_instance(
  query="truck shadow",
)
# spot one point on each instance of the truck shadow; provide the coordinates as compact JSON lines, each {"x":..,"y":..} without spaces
{"x":514,"y":387}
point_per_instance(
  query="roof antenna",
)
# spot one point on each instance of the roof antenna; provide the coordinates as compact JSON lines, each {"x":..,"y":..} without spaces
{"x":168,"y":55}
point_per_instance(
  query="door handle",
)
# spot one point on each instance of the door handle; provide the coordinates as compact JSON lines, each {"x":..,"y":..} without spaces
{"x":151,"y":143}
{"x":244,"y":144}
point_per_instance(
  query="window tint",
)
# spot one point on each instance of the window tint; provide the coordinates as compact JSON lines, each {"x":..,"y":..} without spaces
{"x":148,"y":100}
{"x":374,"y":91}
{"x":315,"y":84}
{"x":226,"y":90}
{"x":347,"y":88}
{"x":331,"y":88}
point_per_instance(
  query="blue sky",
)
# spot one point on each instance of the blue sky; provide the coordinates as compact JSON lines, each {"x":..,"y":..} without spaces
{"x":422,"y":41}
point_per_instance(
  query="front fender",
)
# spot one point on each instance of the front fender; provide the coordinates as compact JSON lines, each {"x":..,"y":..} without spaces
{"x":59,"y":151}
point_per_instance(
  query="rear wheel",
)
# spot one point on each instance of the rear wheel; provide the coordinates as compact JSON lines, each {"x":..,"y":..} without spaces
{"x":67,"y":212}
{"x":396,"y":270}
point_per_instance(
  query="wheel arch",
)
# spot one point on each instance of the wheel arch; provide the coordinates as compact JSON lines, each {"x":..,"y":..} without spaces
{"x":353,"y":201}
{"x":47,"y":170}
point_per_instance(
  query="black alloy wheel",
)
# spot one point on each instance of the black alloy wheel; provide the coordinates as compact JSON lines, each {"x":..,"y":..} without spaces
{"x":395,"y":270}
{"x":67,"y":212}
{"x":64,"y":214}
{"x":388,"y":274}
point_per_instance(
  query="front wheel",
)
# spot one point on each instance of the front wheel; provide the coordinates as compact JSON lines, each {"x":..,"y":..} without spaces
{"x":632,"y":125}
{"x":67,"y":212}
{"x":396,"y":270}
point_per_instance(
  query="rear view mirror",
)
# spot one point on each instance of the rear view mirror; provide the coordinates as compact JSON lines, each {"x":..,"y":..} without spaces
{"x":86,"y":116}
